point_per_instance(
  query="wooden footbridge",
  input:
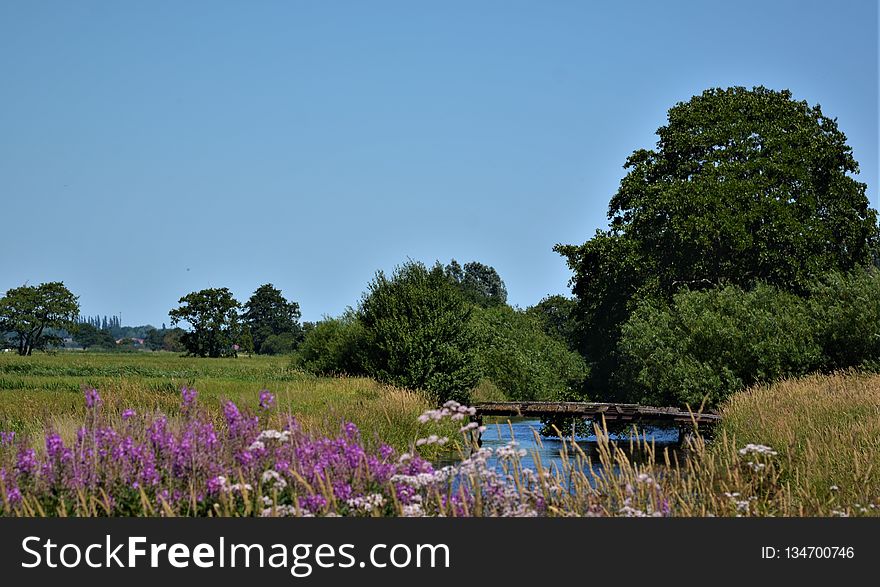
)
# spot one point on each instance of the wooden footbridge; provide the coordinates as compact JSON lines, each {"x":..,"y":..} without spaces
{"x":596,"y":411}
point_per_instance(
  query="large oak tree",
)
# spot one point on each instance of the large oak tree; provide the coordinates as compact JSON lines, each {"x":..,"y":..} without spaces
{"x":213,"y":315}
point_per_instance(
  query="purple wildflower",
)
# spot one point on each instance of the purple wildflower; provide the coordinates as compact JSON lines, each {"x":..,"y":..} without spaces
{"x":26,"y":462}
{"x":128,"y":413}
{"x":313,"y":503}
{"x":14,"y":495}
{"x":188,"y":397}
{"x":93,"y":398}
{"x":231,"y":413}
{"x":350,"y":430}
{"x":267,"y":400}
{"x":54,"y":445}
{"x":216,"y":484}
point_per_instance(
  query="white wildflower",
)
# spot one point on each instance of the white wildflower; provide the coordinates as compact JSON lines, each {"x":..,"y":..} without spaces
{"x":281,"y":436}
{"x":757,"y":449}
{"x":367,"y":503}
{"x":277,"y":480}
{"x":412,"y":511}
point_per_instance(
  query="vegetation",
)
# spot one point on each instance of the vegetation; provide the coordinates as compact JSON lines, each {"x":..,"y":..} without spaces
{"x":558,"y":318}
{"x":417,"y":333}
{"x":132,"y":463}
{"x":165,"y":339}
{"x":273,"y":321}
{"x":334,"y":346}
{"x":520,"y":359}
{"x":87,"y":336}
{"x":45,"y":391}
{"x":744,"y":187}
{"x":213,"y":315}
{"x":709,"y":344}
{"x":28,"y":313}
{"x":479,"y":284}
{"x":437,"y":330}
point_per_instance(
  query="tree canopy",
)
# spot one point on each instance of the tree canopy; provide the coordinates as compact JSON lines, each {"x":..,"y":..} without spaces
{"x":29,"y":312}
{"x":743,"y":187}
{"x":479,"y":283}
{"x":90,"y":337}
{"x":213,"y":315}
{"x":272,"y":319}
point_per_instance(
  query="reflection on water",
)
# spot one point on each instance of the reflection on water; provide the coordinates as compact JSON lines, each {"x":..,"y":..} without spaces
{"x":549,"y":449}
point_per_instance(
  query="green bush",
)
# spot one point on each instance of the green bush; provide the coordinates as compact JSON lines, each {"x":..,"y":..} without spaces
{"x":846,"y":310}
{"x":334,"y":346}
{"x":279,"y":344}
{"x":525,"y":363}
{"x":712,"y":343}
{"x":708,"y":344}
{"x":557,"y":316}
{"x":418,"y":333}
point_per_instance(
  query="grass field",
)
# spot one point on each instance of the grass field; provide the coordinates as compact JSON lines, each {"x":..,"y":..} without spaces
{"x":46,"y":391}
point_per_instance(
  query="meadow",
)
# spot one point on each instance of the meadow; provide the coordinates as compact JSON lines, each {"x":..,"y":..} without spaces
{"x":114,"y":435}
{"x":46,"y":390}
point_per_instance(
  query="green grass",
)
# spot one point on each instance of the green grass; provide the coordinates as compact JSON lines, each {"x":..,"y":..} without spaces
{"x":46,"y":390}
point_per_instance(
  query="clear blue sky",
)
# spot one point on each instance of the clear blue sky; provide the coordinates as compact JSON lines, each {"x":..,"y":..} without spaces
{"x":151,"y":149}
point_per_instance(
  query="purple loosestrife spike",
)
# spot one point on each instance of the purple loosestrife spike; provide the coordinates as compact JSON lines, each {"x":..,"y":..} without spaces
{"x":188,"y":397}
{"x":313,"y":503}
{"x":93,"y":398}
{"x":54,"y":444}
{"x":231,"y":413}
{"x":27,"y":461}
{"x":267,"y":400}
{"x":14,"y":496}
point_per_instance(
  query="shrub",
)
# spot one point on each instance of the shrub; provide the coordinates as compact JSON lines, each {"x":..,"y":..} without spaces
{"x":334,"y":346}
{"x":279,"y":344}
{"x":515,"y":354}
{"x":418,"y":333}
{"x":711,"y":343}
{"x":846,"y":311}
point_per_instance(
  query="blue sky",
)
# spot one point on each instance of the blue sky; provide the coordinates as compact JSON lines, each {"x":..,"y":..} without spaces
{"x":152,"y":149}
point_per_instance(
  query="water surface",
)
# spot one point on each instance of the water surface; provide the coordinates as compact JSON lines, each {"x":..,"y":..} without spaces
{"x":548,"y":450}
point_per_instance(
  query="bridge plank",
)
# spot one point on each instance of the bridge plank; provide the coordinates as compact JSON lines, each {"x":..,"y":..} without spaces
{"x":610,"y":411}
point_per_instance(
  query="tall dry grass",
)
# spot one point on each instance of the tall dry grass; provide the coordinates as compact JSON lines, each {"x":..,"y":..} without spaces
{"x":826,"y":429}
{"x":804,"y":447}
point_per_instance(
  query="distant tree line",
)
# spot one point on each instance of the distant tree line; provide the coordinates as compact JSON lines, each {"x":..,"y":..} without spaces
{"x":221,"y":326}
{"x":101,"y":322}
